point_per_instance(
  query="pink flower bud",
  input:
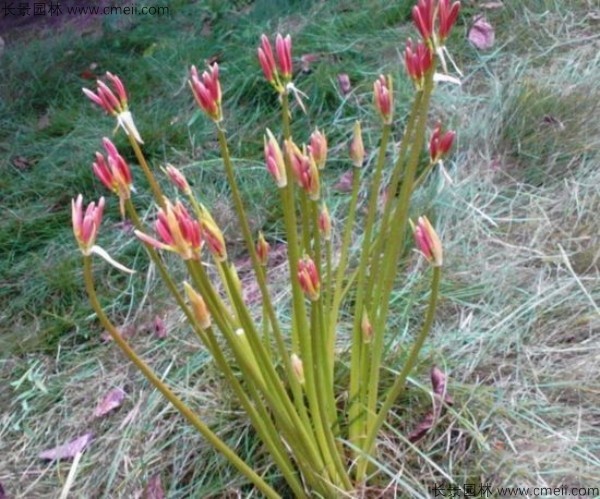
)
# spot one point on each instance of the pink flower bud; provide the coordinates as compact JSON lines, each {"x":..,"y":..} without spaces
{"x":423,"y":17}
{"x":318,"y":148}
{"x":178,"y":179}
{"x":266,"y":59}
{"x":207,"y":91}
{"x":283,"y":47}
{"x":86,"y":224}
{"x":213,"y":235}
{"x":274,"y":160}
{"x":114,"y":172}
{"x":418,"y":60}
{"x":304,"y":169}
{"x":447,"y":15}
{"x":357,"y":149}
{"x":262,"y":249}
{"x":308,"y":276}
{"x":440,"y":143}
{"x":383,"y":98}
{"x":179,"y":232}
{"x":105,"y":96}
{"x":427,"y":241}
{"x":325,"y":223}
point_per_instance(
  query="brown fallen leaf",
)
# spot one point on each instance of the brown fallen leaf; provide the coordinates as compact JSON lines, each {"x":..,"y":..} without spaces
{"x":22,"y":163}
{"x":2,"y":493}
{"x":422,"y":428}
{"x":159,"y":327}
{"x":482,"y":34}
{"x":307,"y":60}
{"x":68,"y":450}
{"x":344,"y":83}
{"x":438,"y":383}
{"x":344,"y":184}
{"x":43,"y":121}
{"x":113,"y":399}
{"x":154,"y":488}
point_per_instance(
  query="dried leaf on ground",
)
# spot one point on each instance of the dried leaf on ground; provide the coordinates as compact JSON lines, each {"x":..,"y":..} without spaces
{"x":344,"y":83}
{"x":113,"y":399}
{"x":423,"y":427}
{"x":344,"y":184}
{"x":482,"y":34}
{"x":154,"y":488}
{"x":159,"y":327}
{"x":68,"y":450}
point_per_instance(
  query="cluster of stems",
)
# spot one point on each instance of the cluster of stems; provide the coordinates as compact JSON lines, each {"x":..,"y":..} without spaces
{"x":320,"y":432}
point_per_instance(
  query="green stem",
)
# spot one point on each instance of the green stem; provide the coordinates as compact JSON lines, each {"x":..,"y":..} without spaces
{"x":154,"y":187}
{"x":399,"y":385}
{"x":183,"y":409}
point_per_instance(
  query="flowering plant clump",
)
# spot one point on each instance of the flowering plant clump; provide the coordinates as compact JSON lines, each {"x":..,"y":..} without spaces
{"x":285,"y":377}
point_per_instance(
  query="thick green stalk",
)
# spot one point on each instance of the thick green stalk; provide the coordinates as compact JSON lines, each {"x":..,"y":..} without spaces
{"x":356,"y":414}
{"x":393,"y":251}
{"x":399,"y":385}
{"x":181,"y":406}
{"x":154,"y":187}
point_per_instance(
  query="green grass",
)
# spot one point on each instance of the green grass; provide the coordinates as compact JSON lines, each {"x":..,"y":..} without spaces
{"x":518,"y":325}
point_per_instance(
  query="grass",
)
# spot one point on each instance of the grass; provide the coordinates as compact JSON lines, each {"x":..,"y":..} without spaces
{"x":517,"y":331}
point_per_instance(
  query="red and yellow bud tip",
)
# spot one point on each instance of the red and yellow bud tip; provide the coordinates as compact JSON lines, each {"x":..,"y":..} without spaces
{"x":440,"y":143}
{"x":308,"y":276}
{"x":112,"y":100}
{"x":304,"y":169}
{"x":86,"y":224}
{"x":262,"y":249}
{"x":179,"y":232}
{"x":357,"y":149}
{"x":423,"y":15}
{"x":366,"y":327}
{"x":277,"y":74}
{"x":383,"y":98}
{"x":274,"y":160}
{"x":325,"y":223}
{"x":298,"y":368}
{"x":427,"y":241}
{"x":419,"y":60}
{"x":318,"y":148}
{"x":447,"y":15}
{"x":113,"y":172}
{"x":199,"y":309}
{"x":178,"y":179}
{"x":212,"y":235}
{"x":207,"y":91}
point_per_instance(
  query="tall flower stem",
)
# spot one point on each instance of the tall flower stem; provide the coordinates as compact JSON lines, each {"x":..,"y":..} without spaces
{"x":154,"y":187}
{"x":183,"y":409}
{"x":399,"y":385}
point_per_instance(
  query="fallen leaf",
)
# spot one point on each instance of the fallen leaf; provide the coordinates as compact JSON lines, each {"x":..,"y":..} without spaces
{"x":112,"y":400}
{"x":438,"y":383}
{"x":492,"y":5}
{"x":482,"y":34}
{"x":43,"y":121}
{"x":22,"y":163}
{"x":423,"y":427}
{"x":553,"y":121}
{"x":2,"y":493}
{"x":344,"y":83}
{"x":159,"y":327}
{"x":68,"y":450}
{"x":154,"y":488}
{"x":307,"y":60}
{"x":344,"y":184}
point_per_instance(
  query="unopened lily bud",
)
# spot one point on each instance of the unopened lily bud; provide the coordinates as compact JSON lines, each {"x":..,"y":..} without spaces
{"x":262,"y":249}
{"x":266,"y":59}
{"x":274,"y":160}
{"x":419,"y":60}
{"x":383,"y":98}
{"x":357,"y":149}
{"x":199,"y":308}
{"x":423,"y":17}
{"x":212,"y":235}
{"x":207,"y":91}
{"x":114,"y":172}
{"x":304,"y":169}
{"x":179,"y":232}
{"x":366,"y":327}
{"x":440,"y":143}
{"x":308,"y":276}
{"x":325,"y":223}
{"x":178,"y":179}
{"x":447,"y":15}
{"x":318,"y":148}
{"x":427,"y":241}
{"x":86,"y":224}
{"x":298,"y":368}
{"x":283,"y":48}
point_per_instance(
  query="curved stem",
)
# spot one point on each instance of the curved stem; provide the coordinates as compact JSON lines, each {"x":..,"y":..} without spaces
{"x":156,"y":190}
